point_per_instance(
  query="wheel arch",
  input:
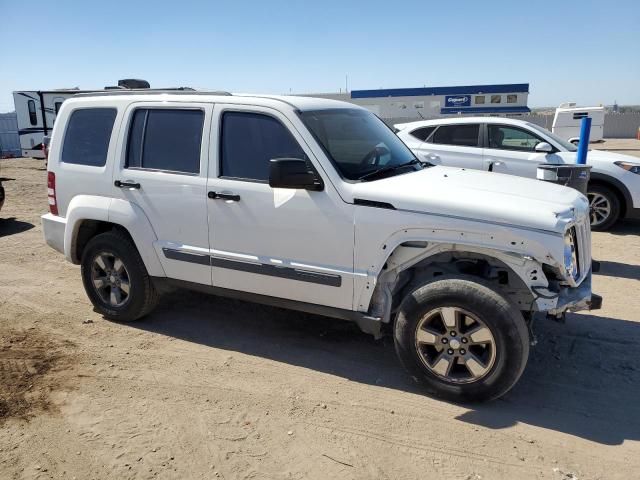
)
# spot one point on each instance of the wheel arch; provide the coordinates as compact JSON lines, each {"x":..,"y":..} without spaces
{"x":513,"y":275}
{"x":90,"y":216}
{"x":618,"y":188}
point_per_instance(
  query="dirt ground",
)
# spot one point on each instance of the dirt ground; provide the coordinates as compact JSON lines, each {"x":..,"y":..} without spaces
{"x":213,"y":388}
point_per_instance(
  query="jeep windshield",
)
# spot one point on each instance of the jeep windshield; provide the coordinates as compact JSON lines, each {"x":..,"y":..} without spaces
{"x":360,"y":145}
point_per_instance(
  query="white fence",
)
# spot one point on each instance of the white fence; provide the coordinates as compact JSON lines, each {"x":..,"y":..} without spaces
{"x":616,"y":125}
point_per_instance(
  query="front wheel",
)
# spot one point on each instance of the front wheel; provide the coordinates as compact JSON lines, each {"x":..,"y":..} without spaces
{"x":461,"y":339}
{"x":604,"y":207}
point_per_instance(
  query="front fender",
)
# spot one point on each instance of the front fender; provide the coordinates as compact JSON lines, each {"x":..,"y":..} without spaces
{"x":522,"y":251}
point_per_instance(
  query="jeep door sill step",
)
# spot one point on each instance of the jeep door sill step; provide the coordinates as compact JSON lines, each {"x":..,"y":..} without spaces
{"x":367,"y":324}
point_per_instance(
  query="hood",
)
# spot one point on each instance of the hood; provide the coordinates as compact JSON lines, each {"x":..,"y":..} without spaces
{"x":478,"y":195}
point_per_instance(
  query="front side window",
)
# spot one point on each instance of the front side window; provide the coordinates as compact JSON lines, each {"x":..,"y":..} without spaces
{"x":86,"y":141}
{"x":249,"y":141}
{"x":463,"y":135}
{"x":422,"y":133}
{"x":167,"y":139}
{"x":568,"y":146}
{"x":479,"y":100}
{"x":511,"y":138}
{"x":358,"y":143}
{"x":33,"y":118}
{"x":496,"y":98}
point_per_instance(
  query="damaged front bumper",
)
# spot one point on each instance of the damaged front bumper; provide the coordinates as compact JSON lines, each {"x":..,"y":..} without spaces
{"x":573,"y":299}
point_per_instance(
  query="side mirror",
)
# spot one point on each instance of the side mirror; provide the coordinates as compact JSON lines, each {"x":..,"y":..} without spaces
{"x":294,"y":173}
{"x":544,"y":147}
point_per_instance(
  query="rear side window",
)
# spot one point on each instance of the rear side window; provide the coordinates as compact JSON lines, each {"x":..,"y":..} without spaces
{"x":86,"y":141}
{"x":166,"y":139}
{"x":33,"y":118}
{"x":422,"y":133}
{"x":249,"y":141}
{"x":459,"y":135}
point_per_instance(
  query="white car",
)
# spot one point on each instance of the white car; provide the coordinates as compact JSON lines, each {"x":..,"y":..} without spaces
{"x":516,"y":147}
{"x":314,"y":205}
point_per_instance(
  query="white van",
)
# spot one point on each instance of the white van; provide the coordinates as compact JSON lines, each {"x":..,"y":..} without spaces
{"x":566,"y":122}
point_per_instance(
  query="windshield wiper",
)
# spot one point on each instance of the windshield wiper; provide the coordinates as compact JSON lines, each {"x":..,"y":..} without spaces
{"x":390,"y":168}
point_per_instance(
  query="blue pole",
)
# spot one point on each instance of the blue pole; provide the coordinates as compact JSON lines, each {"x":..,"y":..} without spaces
{"x":583,"y":145}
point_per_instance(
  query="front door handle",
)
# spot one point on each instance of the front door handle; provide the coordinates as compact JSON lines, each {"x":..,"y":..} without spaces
{"x":125,"y":184}
{"x":497,"y":163}
{"x":224,"y":196}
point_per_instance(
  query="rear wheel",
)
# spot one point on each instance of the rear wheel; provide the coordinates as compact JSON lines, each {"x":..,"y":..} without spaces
{"x":604,"y":207}
{"x":461,"y":339}
{"x":115,"y":278}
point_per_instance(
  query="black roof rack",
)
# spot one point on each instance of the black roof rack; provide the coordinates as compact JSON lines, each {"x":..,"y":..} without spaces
{"x":149,"y":91}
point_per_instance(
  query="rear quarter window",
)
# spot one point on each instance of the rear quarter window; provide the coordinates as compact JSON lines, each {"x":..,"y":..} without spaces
{"x":86,"y":140}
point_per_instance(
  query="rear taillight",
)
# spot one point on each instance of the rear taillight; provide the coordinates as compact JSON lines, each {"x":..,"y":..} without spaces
{"x":51,"y":193}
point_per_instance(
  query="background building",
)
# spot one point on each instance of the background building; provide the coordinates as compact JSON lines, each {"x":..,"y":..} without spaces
{"x":430,"y":102}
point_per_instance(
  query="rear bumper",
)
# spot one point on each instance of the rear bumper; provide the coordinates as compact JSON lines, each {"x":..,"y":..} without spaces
{"x":53,"y":228}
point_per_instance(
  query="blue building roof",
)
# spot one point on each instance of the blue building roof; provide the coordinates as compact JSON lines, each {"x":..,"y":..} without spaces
{"x":487,"y":109}
{"x":468,"y":89}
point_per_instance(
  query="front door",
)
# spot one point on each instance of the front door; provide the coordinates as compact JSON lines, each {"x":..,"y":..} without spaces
{"x":163,"y":172}
{"x":287,"y":243}
{"x":511,"y":150}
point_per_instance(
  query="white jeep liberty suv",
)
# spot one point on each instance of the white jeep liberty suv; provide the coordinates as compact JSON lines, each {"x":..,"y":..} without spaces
{"x":314,"y":205}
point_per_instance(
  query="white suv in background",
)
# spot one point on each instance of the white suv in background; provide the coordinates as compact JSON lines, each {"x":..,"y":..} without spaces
{"x":314,"y":205}
{"x":516,"y":147}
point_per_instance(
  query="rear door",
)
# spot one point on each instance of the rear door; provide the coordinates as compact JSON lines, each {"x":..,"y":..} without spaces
{"x":163,"y":170}
{"x":511,"y":150}
{"x":455,"y":145}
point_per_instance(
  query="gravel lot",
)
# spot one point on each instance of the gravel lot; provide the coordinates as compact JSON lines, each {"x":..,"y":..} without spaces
{"x":213,"y":388}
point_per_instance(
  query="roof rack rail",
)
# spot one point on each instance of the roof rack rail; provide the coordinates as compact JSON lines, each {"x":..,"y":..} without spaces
{"x":150,"y":91}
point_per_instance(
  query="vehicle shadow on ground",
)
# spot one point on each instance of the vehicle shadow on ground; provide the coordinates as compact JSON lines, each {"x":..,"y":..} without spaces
{"x":11,"y":226}
{"x":617,"y":269}
{"x":582,"y":379}
{"x":626,"y":227}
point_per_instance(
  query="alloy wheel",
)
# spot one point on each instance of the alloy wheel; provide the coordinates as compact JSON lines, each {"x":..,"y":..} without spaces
{"x":599,"y":208}
{"x":110,"y":279}
{"x":455,"y":345}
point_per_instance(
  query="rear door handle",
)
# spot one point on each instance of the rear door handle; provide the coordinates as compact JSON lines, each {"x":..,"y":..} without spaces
{"x":120,"y":184}
{"x":224,"y":196}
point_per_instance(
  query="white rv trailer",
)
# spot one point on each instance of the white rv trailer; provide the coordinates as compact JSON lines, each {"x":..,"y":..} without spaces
{"x":566,"y":122}
{"x":36,"y":111}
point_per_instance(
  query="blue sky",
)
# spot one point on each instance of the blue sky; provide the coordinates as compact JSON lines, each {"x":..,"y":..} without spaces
{"x":587,"y":52}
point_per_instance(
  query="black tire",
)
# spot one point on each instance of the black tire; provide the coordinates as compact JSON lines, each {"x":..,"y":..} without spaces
{"x":142,"y":297}
{"x":509,"y":330}
{"x":614,"y":202}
